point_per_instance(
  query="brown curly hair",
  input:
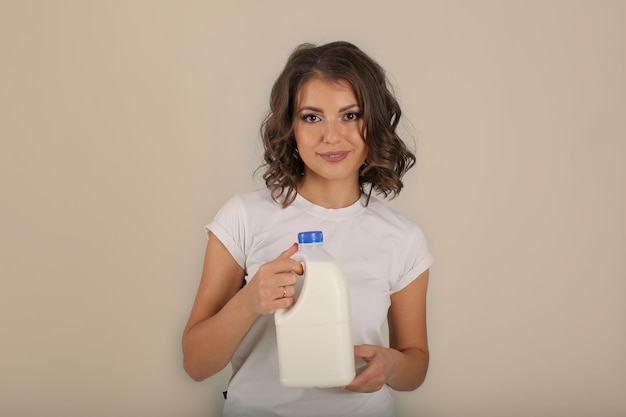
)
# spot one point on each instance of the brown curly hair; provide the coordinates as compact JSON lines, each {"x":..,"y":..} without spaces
{"x":388,"y":157}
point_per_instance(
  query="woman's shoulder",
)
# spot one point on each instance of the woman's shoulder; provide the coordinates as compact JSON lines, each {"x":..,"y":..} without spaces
{"x":255,"y":198}
{"x":385,"y":211}
{"x":245,"y":212}
{"x":387,"y":218}
{"x":253,"y":202}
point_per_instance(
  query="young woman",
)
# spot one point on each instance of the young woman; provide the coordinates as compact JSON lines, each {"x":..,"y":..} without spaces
{"x":330,"y":141}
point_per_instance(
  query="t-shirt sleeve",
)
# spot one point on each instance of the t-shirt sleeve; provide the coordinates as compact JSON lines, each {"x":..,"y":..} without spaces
{"x":417,"y":259}
{"x":229,"y":226}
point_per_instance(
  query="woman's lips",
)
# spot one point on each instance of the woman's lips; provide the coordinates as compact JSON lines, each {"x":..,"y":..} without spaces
{"x":334,"y":156}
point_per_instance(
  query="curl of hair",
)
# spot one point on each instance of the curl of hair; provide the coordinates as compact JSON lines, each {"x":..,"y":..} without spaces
{"x":388,"y":157}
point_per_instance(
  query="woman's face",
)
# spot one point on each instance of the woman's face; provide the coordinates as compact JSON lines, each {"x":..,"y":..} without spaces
{"x":327,"y":127}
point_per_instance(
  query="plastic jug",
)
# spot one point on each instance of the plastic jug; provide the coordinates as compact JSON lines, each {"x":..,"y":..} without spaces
{"x":314,"y":335}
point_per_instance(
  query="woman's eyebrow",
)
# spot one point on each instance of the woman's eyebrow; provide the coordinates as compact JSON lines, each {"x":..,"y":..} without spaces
{"x":310,"y":108}
{"x":318,"y":110}
{"x":348,"y":107}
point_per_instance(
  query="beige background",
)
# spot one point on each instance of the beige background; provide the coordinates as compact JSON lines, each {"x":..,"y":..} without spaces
{"x":125,"y":125}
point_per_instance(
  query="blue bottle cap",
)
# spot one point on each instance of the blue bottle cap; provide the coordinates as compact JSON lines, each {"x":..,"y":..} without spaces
{"x":310,"y":237}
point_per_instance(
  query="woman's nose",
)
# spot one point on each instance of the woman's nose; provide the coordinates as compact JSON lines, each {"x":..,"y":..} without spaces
{"x":332,"y":133}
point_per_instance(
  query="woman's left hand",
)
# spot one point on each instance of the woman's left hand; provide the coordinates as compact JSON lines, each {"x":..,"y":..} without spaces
{"x":403,"y":365}
{"x":379,"y":364}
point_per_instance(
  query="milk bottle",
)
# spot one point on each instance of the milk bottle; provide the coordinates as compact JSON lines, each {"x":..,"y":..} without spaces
{"x":314,"y":335}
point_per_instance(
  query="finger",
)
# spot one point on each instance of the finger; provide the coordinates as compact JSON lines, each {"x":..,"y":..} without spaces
{"x":284,"y":279}
{"x":358,"y":384}
{"x":282,"y":292}
{"x":284,"y":302}
{"x":289,"y":252}
{"x":365,"y":352}
{"x":286,"y":286}
{"x":282,"y":264}
{"x":369,"y":380}
{"x":285,"y":263}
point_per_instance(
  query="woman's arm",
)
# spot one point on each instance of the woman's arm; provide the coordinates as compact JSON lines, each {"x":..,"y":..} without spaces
{"x":408,"y":336}
{"x":403,"y":366}
{"x":224,"y":309}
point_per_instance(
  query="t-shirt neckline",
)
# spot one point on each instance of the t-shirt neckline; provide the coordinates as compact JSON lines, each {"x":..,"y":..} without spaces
{"x":327,"y":213}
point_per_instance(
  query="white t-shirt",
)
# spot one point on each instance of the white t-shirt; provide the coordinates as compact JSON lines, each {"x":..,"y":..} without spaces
{"x":380,"y":252}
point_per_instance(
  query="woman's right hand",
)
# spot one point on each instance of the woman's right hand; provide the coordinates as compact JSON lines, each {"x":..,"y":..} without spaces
{"x":273,"y":285}
{"x":223,"y":311}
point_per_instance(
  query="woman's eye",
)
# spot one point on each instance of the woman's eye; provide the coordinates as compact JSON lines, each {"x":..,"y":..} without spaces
{"x":352,"y":116}
{"x":311,"y":118}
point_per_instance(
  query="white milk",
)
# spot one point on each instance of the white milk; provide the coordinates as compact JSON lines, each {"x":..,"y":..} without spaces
{"x":314,"y":335}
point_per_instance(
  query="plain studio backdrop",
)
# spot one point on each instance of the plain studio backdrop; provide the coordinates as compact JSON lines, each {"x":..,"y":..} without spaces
{"x":125,"y":125}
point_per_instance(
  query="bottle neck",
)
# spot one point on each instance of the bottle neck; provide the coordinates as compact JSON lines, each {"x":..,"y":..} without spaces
{"x":309,"y":246}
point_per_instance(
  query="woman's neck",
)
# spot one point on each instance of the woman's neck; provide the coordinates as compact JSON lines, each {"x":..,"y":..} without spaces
{"x":330,"y":194}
